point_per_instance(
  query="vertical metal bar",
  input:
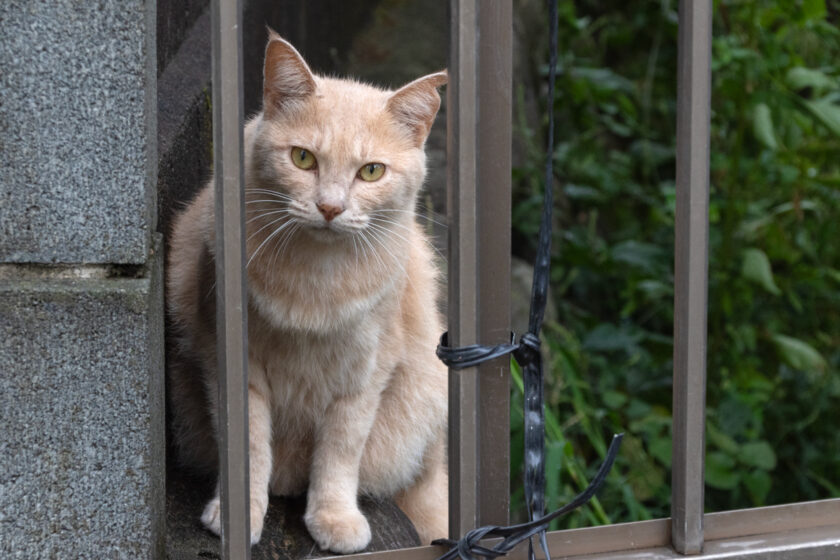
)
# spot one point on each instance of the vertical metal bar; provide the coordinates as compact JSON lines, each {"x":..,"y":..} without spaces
{"x":479,"y":153}
{"x":690,"y":274}
{"x":231,"y":310}
{"x":462,"y":121}
{"x":495,"y":85}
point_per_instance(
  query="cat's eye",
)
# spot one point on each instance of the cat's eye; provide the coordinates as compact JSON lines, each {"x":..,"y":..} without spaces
{"x":303,"y":159}
{"x":372,"y":171}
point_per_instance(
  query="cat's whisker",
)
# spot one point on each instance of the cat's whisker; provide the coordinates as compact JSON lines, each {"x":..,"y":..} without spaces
{"x":285,"y":243}
{"x":269,"y":192}
{"x":278,"y":241}
{"x":361,"y":246}
{"x":431,"y":245}
{"x":384,"y":232}
{"x":397,"y":262}
{"x":380,"y":263}
{"x":412,"y":212}
{"x":269,"y":224}
{"x":385,"y":229}
{"x":379,"y":237}
{"x":355,"y":252}
{"x":267,"y":239}
{"x":264,"y":214}
{"x":264,"y":200}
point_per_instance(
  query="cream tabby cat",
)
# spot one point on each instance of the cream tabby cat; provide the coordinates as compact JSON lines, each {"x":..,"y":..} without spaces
{"x":345,"y":393}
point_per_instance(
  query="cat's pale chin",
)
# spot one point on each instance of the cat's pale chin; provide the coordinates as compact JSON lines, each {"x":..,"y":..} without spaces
{"x":326,"y":233}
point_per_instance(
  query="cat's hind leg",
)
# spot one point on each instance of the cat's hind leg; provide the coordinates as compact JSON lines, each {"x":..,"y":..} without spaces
{"x":426,"y":502}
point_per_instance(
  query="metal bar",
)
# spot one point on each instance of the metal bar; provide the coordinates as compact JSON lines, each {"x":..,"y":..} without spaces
{"x":789,"y":520}
{"x":462,"y":147}
{"x":231,"y":310}
{"x":690,"y":274}
{"x":493,"y":195}
{"x":773,"y":519}
{"x":608,"y":538}
{"x":817,"y":543}
{"x":479,"y":274}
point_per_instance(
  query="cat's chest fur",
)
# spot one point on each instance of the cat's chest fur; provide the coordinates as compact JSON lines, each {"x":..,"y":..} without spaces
{"x":307,"y":370}
{"x":317,"y":338}
{"x":328,"y":297}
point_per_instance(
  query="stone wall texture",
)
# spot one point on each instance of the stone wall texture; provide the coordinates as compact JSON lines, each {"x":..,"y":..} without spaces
{"x":81,"y":298}
{"x":74,"y":130}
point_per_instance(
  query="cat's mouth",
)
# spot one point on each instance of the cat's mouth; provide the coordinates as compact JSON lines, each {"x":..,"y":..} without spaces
{"x":326,"y":231}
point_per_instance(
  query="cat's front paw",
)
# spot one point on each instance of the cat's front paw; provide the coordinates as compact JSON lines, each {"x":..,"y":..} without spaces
{"x":342,"y":530}
{"x":212,"y":519}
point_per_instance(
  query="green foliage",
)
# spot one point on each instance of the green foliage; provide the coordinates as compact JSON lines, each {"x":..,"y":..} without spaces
{"x":773,"y":357}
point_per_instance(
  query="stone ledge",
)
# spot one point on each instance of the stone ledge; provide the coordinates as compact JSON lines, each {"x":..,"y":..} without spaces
{"x":284,"y":538}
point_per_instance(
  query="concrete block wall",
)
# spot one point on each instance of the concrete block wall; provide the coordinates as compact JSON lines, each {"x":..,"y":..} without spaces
{"x":81,"y":327}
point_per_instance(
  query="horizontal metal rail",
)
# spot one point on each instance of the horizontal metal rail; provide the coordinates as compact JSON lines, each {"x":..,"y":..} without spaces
{"x":750,"y":531}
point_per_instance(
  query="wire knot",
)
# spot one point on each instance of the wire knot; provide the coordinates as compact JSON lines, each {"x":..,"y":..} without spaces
{"x":528,"y":349}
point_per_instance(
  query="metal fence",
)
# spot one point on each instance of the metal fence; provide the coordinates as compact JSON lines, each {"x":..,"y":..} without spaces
{"x":479,"y":132}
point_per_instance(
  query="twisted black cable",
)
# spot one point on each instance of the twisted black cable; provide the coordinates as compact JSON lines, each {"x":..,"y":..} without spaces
{"x":468,"y":548}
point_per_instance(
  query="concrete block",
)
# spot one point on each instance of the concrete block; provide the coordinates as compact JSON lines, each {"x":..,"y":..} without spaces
{"x":77,"y":122}
{"x":81,"y":393}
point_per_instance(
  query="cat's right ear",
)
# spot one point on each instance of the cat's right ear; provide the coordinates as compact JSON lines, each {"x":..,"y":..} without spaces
{"x":416,"y":104}
{"x":286,"y":76}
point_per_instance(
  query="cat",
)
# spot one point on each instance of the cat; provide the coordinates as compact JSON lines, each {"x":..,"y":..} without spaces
{"x":345,"y":394}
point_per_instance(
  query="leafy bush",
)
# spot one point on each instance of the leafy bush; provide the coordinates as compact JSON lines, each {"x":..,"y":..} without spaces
{"x":774,"y":249}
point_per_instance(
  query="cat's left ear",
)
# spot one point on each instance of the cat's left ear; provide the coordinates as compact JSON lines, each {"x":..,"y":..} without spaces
{"x":416,"y":104}
{"x":286,"y":76}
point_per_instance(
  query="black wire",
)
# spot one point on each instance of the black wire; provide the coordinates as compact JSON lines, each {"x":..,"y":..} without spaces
{"x":539,"y":287}
{"x":468,"y":548}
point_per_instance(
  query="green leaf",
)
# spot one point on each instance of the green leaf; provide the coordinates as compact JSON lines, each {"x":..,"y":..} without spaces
{"x":758,"y":485}
{"x":826,"y":112}
{"x":833,"y":273}
{"x":645,"y":256}
{"x":606,"y":337}
{"x":648,"y":478}
{"x":553,"y":472}
{"x":581,"y":192}
{"x":660,"y":449}
{"x":813,"y":9}
{"x":756,"y":268}
{"x":720,"y":439}
{"x":614,"y":400}
{"x":720,"y":471}
{"x":800,"y":77}
{"x":758,"y":454}
{"x":799,"y":354}
{"x":763,"y":126}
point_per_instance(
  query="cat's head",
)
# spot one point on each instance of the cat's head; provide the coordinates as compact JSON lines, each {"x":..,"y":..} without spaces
{"x":339,"y":154}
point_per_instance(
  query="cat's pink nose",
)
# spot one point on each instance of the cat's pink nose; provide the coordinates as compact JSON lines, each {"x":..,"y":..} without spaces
{"x":329,"y":211}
